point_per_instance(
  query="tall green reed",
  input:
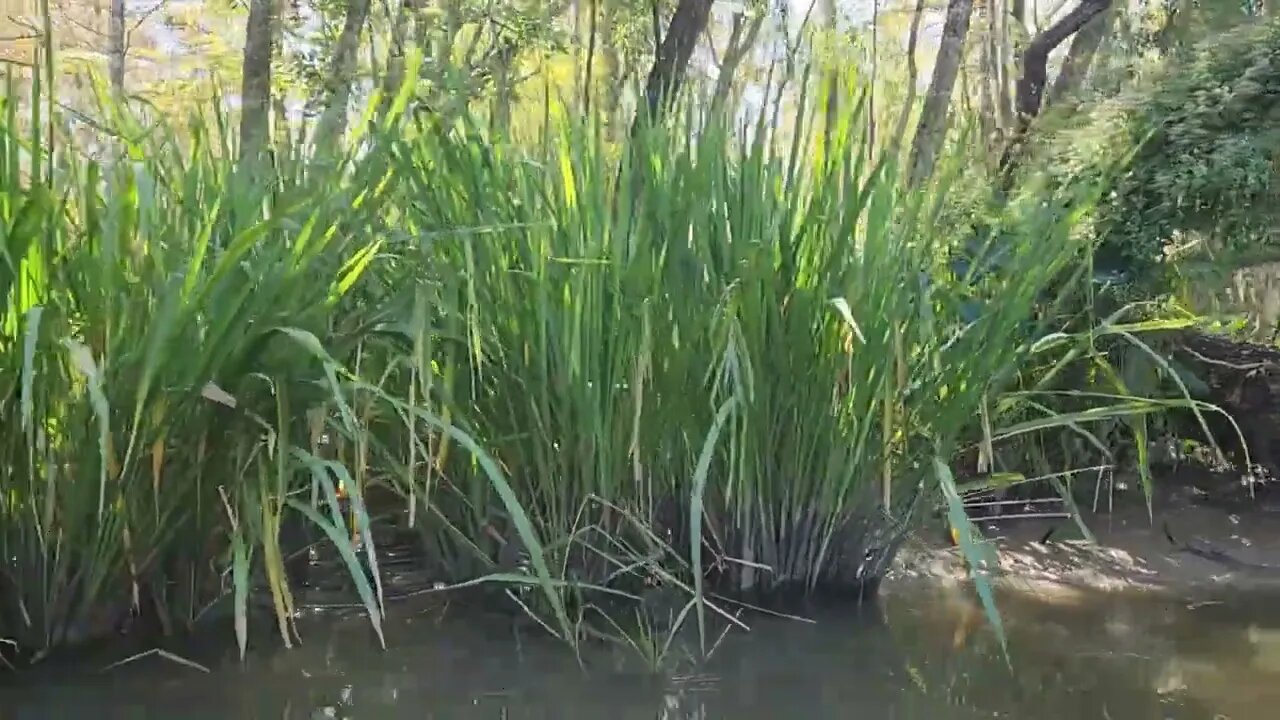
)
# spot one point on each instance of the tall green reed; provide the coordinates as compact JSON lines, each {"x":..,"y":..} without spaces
{"x":702,"y":366}
{"x":760,"y":350}
{"x":170,"y":321}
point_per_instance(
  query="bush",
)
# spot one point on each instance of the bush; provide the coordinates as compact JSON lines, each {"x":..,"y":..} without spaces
{"x":1203,"y":140}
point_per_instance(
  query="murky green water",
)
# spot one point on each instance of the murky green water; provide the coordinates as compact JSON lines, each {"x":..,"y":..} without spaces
{"x":921,"y":652}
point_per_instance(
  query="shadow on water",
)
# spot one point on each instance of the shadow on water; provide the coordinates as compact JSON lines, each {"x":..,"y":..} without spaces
{"x":922,"y":651}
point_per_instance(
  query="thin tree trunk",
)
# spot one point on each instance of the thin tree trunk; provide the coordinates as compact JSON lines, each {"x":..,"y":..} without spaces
{"x":284,"y":158}
{"x":1004,"y":49}
{"x":672,"y":61}
{"x":655,"y":22}
{"x":828,"y":9}
{"x":428,"y":29}
{"x":875,"y":74}
{"x":741,"y":40}
{"x":374,"y":76}
{"x":989,"y":84}
{"x":576,"y":46}
{"x":1035,"y":58}
{"x":503,"y":90}
{"x":913,"y":79}
{"x":286,"y":13}
{"x":333,"y":119}
{"x":791,"y":54}
{"x":394,"y":77}
{"x":116,"y":50}
{"x":593,"y":29}
{"x":255,"y":89}
{"x":932,"y":128}
{"x":666,"y":75}
{"x":612,"y":61}
{"x":1084,"y":47}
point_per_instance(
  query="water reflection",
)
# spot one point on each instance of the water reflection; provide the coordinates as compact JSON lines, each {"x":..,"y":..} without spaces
{"x":922,"y":652}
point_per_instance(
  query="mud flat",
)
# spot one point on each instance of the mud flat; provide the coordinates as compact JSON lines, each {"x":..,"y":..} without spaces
{"x":1198,"y":540}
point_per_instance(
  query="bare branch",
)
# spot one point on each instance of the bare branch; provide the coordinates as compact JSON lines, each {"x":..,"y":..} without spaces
{"x":1036,"y":57}
{"x":82,"y":26}
{"x":146,"y":14}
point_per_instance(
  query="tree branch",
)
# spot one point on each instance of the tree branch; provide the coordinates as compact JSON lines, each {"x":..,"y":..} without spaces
{"x":1030,"y":88}
{"x":146,"y":14}
{"x":1084,"y":46}
{"x":1035,"y":58}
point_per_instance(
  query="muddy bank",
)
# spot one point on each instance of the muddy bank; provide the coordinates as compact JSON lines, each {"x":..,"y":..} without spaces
{"x":1207,"y":532}
{"x":1197,"y":611}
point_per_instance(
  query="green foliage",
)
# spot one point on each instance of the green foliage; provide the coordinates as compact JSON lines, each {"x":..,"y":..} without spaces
{"x":1204,"y":139}
{"x":160,"y":326}
{"x":714,"y":364}
{"x":767,"y":338}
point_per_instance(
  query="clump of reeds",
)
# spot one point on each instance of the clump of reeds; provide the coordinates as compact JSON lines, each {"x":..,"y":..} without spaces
{"x":170,"y":326}
{"x":660,"y":377}
{"x":763,"y":352}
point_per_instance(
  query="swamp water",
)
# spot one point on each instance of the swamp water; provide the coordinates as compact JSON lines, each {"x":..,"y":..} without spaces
{"x":921,"y":651}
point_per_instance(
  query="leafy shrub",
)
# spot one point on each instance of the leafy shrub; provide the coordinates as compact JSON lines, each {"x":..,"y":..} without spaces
{"x":1204,"y":138}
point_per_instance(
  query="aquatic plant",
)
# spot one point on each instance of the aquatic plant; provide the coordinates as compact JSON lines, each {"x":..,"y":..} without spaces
{"x":165,"y":323}
{"x":754,"y":343}
{"x":711,"y":363}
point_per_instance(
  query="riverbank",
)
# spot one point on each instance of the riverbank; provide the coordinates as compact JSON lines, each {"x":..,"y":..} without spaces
{"x":1205,"y":533}
{"x":1088,"y":654}
{"x":1196,"y":610}
{"x":1128,"y":625}
{"x":1223,"y":542}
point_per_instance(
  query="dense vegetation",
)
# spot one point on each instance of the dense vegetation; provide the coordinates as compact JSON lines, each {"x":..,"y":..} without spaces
{"x":1203,"y":139}
{"x":721,"y":352}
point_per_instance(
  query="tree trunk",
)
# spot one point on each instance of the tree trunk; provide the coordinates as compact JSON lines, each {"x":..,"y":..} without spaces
{"x":116,"y":50}
{"x":576,"y":45}
{"x":394,"y":77}
{"x":333,"y":119}
{"x":1084,"y":47}
{"x":613,"y":65}
{"x":503,"y":90}
{"x":932,"y":128}
{"x":872,"y":128}
{"x":1035,"y":58}
{"x":989,"y":87}
{"x":1002,"y":45}
{"x":672,"y":61}
{"x":255,"y":89}
{"x":828,"y":10}
{"x":1030,"y":89}
{"x":742,"y":39}
{"x":593,"y":31}
{"x":913,"y":79}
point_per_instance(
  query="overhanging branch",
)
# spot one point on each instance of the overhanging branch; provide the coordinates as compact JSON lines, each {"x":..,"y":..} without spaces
{"x":1035,"y":59}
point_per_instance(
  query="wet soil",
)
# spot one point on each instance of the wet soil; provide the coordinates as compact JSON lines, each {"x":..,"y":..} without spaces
{"x":1203,"y":531}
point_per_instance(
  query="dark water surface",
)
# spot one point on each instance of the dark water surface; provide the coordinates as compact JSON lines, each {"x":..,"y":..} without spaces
{"x":922,"y":652}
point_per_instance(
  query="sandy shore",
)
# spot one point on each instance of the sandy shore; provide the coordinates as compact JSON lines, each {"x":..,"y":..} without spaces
{"x":1131,"y":550}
